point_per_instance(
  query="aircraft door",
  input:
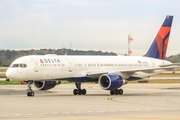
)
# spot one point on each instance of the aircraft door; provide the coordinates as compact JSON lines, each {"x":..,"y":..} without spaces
{"x":70,"y":66}
{"x":36,"y":66}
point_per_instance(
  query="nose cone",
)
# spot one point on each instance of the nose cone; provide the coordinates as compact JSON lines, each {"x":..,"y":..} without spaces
{"x":10,"y":74}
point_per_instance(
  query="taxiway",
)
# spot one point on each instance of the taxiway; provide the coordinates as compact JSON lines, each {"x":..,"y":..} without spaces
{"x":140,"y":101}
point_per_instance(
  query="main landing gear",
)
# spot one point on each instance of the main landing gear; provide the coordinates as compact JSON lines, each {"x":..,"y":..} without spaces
{"x":78,"y":91}
{"x":116,"y":92}
{"x":30,"y":93}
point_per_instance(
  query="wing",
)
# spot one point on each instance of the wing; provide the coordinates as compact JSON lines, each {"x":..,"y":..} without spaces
{"x":95,"y":74}
{"x":127,"y":73}
{"x":150,"y":70}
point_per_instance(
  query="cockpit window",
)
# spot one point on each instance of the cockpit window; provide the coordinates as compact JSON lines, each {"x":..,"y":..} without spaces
{"x":11,"y":65}
{"x":15,"y":65}
{"x":18,"y":65}
{"x":23,"y":65}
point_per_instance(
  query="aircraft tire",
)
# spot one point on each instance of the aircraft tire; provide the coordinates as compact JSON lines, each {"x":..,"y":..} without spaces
{"x":83,"y":91}
{"x":75,"y":91}
{"x":112,"y":92}
{"x":120,"y":91}
{"x":28,"y":94}
{"x":116,"y":92}
{"x":32,"y":94}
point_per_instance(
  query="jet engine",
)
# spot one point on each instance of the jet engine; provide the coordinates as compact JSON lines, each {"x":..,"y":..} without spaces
{"x":46,"y":85}
{"x":111,"y":81}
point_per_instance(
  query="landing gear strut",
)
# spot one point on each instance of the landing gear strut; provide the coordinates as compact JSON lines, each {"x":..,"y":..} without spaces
{"x":78,"y":91}
{"x":116,"y":92}
{"x":30,"y":91}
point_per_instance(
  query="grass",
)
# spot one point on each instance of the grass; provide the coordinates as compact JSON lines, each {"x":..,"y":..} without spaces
{"x":167,"y":75}
{"x":177,"y":69}
{"x":19,"y":82}
{"x":66,"y":82}
{"x":3,"y":70}
{"x":10,"y":82}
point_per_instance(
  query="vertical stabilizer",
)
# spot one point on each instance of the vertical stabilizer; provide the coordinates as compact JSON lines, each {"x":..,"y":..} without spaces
{"x":159,"y":46}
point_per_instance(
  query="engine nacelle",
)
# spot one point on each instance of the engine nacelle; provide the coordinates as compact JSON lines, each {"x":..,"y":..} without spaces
{"x":46,"y":85}
{"x":111,"y":81}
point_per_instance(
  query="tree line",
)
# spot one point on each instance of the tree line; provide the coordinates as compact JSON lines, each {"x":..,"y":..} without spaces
{"x":174,"y":58}
{"x":8,"y":56}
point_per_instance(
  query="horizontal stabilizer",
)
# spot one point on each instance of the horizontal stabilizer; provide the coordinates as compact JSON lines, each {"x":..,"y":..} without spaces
{"x":173,"y":64}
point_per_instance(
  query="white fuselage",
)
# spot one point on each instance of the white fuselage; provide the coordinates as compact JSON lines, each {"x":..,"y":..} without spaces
{"x":53,"y":67}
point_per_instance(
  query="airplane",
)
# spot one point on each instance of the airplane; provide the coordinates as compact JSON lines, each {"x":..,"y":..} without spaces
{"x":111,"y":72}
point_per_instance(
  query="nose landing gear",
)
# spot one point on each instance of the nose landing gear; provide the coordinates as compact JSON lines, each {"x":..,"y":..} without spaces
{"x":30,"y":92}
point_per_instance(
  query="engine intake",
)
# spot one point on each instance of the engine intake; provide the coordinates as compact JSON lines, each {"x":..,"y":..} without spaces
{"x":111,"y":81}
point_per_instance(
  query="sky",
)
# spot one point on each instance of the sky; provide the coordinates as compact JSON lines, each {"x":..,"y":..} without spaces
{"x":87,"y":24}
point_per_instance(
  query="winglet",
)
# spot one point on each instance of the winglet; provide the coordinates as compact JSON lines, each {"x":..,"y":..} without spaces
{"x":159,"y":46}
